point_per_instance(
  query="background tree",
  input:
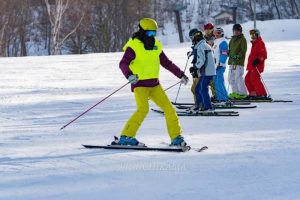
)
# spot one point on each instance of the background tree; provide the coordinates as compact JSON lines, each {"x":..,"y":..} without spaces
{"x":56,"y":11}
{"x":45,"y":27}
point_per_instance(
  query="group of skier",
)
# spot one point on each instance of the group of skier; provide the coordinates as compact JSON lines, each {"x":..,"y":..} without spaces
{"x":143,"y":56}
{"x":210,"y":52}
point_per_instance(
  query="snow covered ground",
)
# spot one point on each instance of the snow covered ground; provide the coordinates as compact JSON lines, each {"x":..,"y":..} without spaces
{"x":275,"y":30}
{"x":253,"y":156}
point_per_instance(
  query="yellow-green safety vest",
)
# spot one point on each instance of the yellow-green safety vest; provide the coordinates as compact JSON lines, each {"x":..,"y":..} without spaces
{"x":146,"y":63}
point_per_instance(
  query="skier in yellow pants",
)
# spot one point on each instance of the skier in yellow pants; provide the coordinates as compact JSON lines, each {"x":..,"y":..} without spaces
{"x":158,"y":96}
{"x":140,"y":65}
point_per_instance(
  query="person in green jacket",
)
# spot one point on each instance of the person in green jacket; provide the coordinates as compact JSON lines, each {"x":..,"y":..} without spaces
{"x":237,"y":53}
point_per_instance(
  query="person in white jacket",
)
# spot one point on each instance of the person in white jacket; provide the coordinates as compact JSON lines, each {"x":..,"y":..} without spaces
{"x":205,"y":67}
{"x":220,"y":49}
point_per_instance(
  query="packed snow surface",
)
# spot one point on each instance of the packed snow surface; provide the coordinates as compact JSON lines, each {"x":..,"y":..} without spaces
{"x":253,"y":156}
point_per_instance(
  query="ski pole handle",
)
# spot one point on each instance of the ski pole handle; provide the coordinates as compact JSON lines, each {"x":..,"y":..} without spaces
{"x":73,"y":120}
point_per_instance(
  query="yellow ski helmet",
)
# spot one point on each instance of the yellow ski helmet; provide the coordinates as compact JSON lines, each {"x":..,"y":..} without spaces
{"x":148,"y":24}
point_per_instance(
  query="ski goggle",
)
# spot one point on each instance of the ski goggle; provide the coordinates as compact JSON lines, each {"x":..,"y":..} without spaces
{"x":217,"y":33}
{"x":150,"y":33}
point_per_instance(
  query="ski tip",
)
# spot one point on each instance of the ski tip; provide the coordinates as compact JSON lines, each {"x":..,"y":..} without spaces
{"x":200,"y":149}
{"x":187,"y":148}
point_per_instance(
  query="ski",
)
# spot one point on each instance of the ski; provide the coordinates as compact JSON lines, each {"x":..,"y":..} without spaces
{"x":214,"y":103}
{"x":229,"y":103}
{"x":115,"y":146}
{"x":260,"y":101}
{"x":214,"y":113}
{"x":221,"y":107}
{"x":142,"y":148}
{"x":199,"y":149}
{"x":192,"y":148}
{"x":180,"y":111}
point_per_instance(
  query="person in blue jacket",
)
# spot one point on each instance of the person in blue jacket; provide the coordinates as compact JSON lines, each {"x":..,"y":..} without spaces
{"x":220,"y":49}
{"x":205,"y":68}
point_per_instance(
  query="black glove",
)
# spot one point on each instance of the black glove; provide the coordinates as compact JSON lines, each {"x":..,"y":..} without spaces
{"x":192,"y":69}
{"x":194,"y":72}
{"x":189,"y":53}
{"x":255,"y":62}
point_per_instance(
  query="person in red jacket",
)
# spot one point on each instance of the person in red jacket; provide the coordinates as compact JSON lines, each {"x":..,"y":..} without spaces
{"x":255,"y":66}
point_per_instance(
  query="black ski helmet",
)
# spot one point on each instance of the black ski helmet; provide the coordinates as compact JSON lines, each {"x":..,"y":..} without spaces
{"x":237,"y":27}
{"x":198,"y":36}
{"x":192,"y":32}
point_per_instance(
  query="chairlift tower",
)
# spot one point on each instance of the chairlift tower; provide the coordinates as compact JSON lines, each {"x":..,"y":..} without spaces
{"x":177,"y":7}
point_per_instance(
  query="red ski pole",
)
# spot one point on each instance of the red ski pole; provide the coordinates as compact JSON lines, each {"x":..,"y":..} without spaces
{"x":73,"y":120}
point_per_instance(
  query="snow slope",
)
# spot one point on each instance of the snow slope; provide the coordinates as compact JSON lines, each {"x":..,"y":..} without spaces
{"x":253,"y":156}
{"x":272,"y":30}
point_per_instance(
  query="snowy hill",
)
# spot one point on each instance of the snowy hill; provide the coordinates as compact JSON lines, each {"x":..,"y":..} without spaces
{"x":273,"y":30}
{"x":253,"y":156}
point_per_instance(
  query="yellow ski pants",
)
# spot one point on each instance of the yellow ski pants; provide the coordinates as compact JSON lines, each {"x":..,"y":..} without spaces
{"x":159,"y":97}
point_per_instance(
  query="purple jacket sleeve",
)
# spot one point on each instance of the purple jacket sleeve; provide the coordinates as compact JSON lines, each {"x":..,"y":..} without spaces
{"x":128,"y":56}
{"x":169,"y":65}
